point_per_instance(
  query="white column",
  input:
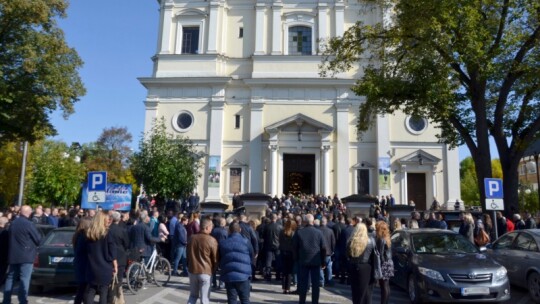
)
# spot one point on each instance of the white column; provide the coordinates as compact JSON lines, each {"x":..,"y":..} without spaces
{"x":274,"y":169}
{"x":383,"y":145}
{"x":217,"y":106}
{"x":451,"y":171}
{"x":213,"y":28}
{"x":341,"y":168}
{"x":255,"y":148}
{"x":150,"y":114}
{"x":403,"y":193}
{"x":323,"y":25}
{"x":326,"y":169}
{"x":340,"y":18}
{"x":166,"y":28}
{"x":276,"y":28}
{"x":259,"y":28}
{"x":434,"y":181}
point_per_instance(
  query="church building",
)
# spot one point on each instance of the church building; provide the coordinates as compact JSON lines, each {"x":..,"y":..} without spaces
{"x":240,"y":78}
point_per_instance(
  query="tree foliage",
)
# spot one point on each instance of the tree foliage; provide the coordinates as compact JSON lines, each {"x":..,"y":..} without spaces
{"x":110,"y":153}
{"x":56,"y":175}
{"x":166,"y":165}
{"x":10,"y":170}
{"x":469,"y":182}
{"x":38,"y":70}
{"x":470,"y":66}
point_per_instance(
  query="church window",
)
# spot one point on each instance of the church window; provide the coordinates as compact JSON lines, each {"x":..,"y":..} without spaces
{"x":190,"y":40}
{"x":362,"y":181}
{"x":241,"y":32}
{"x":182,"y":121}
{"x":416,"y":124}
{"x":237,"y":121}
{"x":300,"y":40}
{"x":235,"y":180}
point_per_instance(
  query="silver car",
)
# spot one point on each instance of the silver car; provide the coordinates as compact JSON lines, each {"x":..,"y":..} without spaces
{"x":519,"y":252}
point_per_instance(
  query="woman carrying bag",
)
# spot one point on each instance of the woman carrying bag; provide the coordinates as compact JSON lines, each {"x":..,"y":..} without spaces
{"x":361,"y":253}
{"x":101,"y":254}
{"x":387,"y":265}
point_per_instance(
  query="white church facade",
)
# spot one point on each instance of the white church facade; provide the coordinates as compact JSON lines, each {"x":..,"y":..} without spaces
{"x":240,"y":78}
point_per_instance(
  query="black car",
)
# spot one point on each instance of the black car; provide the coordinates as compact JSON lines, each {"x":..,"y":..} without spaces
{"x":53,"y":266}
{"x":442,"y":266}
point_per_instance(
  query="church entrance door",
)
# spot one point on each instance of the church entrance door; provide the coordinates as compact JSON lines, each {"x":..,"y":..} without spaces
{"x":298,"y":173}
{"x":416,"y":189}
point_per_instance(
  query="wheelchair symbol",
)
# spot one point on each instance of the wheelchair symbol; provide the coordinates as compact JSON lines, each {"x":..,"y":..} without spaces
{"x":95,"y":197}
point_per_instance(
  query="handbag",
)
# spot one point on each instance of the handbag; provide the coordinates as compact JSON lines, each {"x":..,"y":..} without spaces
{"x":376,"y":263}
{"x":482,"y":238}
{"x":117,"y":293}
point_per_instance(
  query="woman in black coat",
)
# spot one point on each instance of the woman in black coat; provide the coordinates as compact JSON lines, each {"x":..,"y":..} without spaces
{"x":101,"y":254}
{"x":361,"y":253}
{"x":80,"y":261}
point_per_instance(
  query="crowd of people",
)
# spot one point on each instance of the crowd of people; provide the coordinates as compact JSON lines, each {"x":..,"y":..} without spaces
{"x":306,"y":241}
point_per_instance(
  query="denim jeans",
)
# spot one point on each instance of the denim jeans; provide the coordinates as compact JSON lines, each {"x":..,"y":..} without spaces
{"x":199,"y":284}
{"x":327,"y":271}
{"x":23,"y":273}
{"x":238,"y":289}
{"x":304,"y":274}
{"x":179,"y":256}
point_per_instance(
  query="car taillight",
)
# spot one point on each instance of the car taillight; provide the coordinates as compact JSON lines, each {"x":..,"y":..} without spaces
{"x":36,"y":261}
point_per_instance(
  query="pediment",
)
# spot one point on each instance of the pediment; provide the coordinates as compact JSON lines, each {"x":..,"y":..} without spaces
{"x":296,"y":122}
{"x":419,"y":157}
{"x":364,"y":165}
{"x":235,"y":163}
{"x":191,"y":12}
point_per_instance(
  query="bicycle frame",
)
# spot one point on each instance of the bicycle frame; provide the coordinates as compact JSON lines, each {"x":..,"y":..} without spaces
{"x":148,"y":266}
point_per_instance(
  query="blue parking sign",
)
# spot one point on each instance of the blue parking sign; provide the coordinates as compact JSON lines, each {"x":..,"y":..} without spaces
{"x":493,"y":187}
{"x":97,"y":181}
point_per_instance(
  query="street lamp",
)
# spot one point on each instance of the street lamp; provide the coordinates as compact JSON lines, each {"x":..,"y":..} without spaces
{"x":533,"y":165}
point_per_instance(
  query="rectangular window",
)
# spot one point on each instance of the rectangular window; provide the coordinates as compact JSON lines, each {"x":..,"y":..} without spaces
{"x":190,"y":40}
{"x":362,"y":180}
{"x":235,"y":180}
{"x":300,"y":40}
{"x":522,"y":169}
{"x":237,"y":121}
{"x":241,"y":32}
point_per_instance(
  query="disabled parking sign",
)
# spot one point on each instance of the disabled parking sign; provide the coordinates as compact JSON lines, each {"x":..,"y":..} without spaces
{"x":97,"y":186}
{"x":494,"y":194}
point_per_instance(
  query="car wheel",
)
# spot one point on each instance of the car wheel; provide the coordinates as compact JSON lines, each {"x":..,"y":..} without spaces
{"x":533,"y":281}
{"x":413,"y":290}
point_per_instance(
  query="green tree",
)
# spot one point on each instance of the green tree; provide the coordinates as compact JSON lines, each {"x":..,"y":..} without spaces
{"x":10,"y":170}
{"x":38,"y":70}
{"x":470,"y":66}
{"x":110,"y":153}
{"x":56,"y":175}
{"x":469,"y":184}
{"x":166,"y":165}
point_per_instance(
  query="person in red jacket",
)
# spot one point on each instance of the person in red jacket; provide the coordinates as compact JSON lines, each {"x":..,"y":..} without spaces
{"x":509,"y":225}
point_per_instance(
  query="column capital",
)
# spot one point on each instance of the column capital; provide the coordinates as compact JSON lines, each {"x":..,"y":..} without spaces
{"x":403,"y":168}
{"x":273,"y":147}
{"x":326,"y":147}
{"x":342,"y":106}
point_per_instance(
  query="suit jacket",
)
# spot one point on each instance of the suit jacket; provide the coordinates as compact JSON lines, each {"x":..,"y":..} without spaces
{"x":141,"y":238}
{"x":23,"y":241}
{"x":120,"y":238}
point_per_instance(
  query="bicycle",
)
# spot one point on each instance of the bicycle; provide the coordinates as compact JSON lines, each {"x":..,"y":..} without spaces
{"x":156,"y":270}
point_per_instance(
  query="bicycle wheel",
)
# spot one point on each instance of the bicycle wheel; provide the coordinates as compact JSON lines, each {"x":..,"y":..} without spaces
{"x":161,"y":272}
{"x":135,"y":277}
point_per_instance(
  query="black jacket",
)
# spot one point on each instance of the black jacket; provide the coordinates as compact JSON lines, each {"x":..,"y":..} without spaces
{"x":366,"y":256}
{"x":141,"y":239}
{"x":120,"y":238}
{"x":329,"y":239}
{"x":23,"y":241}
{"x":309,"y":246}
{"x":271,"y":236}
{"x":250,"y":234}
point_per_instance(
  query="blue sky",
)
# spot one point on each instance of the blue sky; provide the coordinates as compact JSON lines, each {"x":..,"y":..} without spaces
{"x":116,"y":40}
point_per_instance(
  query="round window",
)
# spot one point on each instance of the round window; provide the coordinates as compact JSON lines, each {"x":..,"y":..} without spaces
{"x":183,"y":121}
{"x":416,"y":124}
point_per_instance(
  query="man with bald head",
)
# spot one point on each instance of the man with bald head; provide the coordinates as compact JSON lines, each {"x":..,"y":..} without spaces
{"x":23,"y":242}
{"x":309,"y":250}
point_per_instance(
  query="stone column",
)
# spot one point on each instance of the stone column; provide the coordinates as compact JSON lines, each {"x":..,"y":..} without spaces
{"x":340,"y":18}
{"x":403,"y":185}
{"x":213,"y":28}
{"x":217,"y":106}
{"x":255,"y":148}
{"x":342,"y":150}
{"x":434,"y":180}
{"x":326,"y":169}
{"x":151,"y":105}
{"x":259,"y":28}
{"x":273,"y":169}
{"x":276,"y":28}
{"x":383,"y":147}
{"x":166,"y":25}
{"x":323,"y":24}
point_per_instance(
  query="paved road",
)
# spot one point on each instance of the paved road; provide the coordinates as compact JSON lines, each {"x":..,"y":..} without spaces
{"x":177,"y":292}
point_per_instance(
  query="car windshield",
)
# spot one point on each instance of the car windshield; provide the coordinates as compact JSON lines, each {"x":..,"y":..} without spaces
{"x":441,"y":244}
{"x":59,"y":239}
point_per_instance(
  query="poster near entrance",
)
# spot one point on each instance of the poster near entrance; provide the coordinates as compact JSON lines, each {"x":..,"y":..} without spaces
{"x":384,"y":173}
{"x":214,"y":171}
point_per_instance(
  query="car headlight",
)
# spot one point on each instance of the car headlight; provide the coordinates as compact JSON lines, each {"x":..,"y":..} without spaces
{"x":500,"y":274}
{"x":430,"y":273}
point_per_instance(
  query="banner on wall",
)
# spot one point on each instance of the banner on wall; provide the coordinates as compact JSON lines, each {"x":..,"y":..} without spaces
{"x":384,"y":173}
{"x":214,"y":171}
{"x":117,"y":197}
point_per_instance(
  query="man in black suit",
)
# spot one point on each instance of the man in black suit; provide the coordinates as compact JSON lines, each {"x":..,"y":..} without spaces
{"x":119,"y":235}
{"x":4,"y":242}
{"x":23,"y":242}
{"x":141,"y":238}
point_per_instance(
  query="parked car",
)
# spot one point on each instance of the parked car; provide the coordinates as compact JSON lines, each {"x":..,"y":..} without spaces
{"x":53,"y":266}
{"x":436,"y":265}
{"x":44,"y":230}
{"x":519,"y":252}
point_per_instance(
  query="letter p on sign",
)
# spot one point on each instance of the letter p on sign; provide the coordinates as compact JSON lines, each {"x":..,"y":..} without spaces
{"x":97,"y":181}
{"x":493,"y":188}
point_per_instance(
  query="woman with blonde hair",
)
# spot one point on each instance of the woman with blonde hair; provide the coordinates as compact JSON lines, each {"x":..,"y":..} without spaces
{"x":387,"y":265}
{"x":361,"y":254}
{"x":467,"y":226}
{"x":101,"y":255}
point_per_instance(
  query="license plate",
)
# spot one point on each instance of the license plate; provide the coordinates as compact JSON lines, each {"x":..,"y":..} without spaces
{"x":57,"y":260}
{"x":474,"y":291}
